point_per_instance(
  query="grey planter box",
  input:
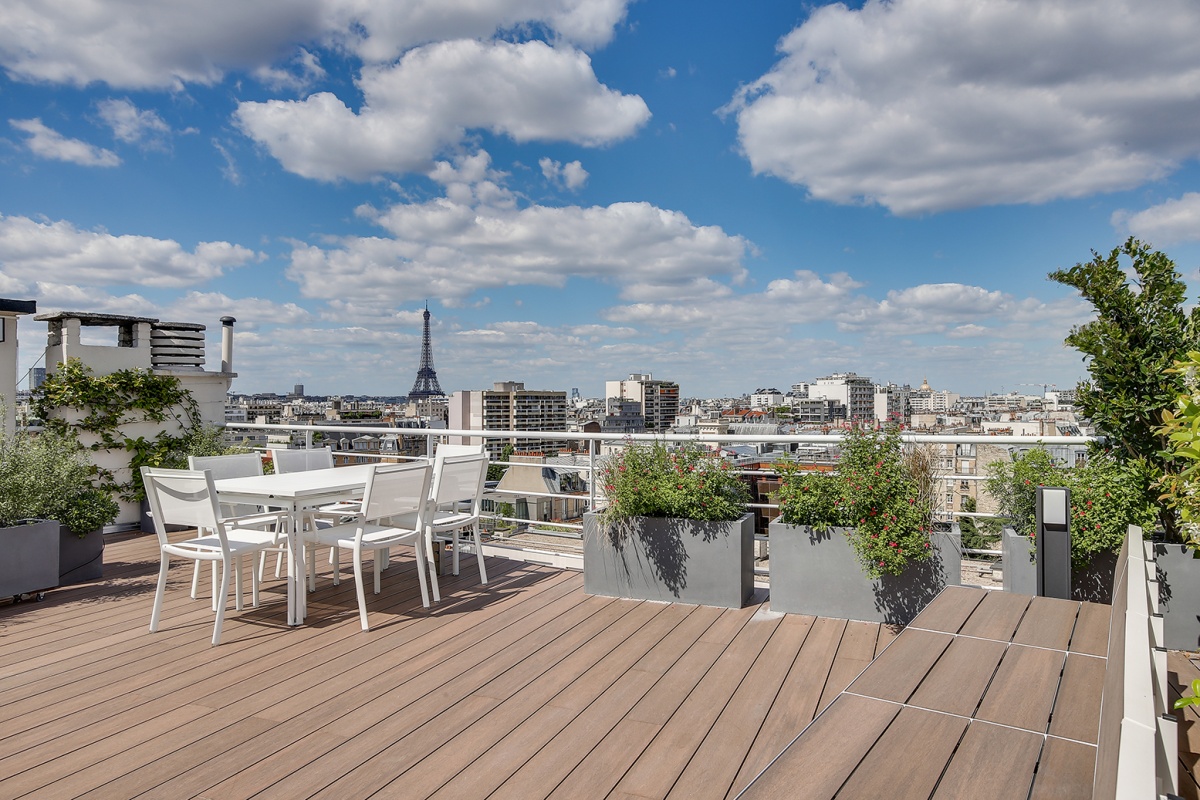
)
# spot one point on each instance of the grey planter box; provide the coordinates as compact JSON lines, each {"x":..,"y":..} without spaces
{"x":674,"y":560}
{"x":1179,"y":595}
{"x":28,"y":558}
{"x":79,"y":559}
{"x":819,"y":574}
{"x":1092,"y":583}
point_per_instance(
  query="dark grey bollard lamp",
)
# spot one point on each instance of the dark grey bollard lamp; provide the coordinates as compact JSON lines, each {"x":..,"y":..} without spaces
{"x":1053,"y":513}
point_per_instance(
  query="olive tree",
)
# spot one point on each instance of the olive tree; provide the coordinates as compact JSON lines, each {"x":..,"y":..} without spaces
{"x":1141,"y":329}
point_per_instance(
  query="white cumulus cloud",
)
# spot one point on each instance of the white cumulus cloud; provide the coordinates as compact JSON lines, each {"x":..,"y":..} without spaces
{"x":131,"y":124}
{"x":48,"y":143}
{"x":58,"y":252}
{"x":429,"y":100}
{"x":571,"y":175}
{"x":926,"y":105}
{"x":1176,"y":220}
{"x":170,"y":43}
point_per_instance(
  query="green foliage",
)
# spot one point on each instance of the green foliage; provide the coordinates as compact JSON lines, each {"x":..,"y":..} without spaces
{"x":648,"y":480}
{"x":977,"y":534}
{"x":496,"y":471}
{"x":49,"y":476}
{"x":1181,"y":490}
{"x":1194,"y":700}
{"x":101,"y":404}
{"x":874,"y":494}
{"x":1140,"y":331}
{"x":1107,"y":496}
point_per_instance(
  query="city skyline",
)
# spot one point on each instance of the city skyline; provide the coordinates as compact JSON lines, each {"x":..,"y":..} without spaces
{"x":724,"y":196}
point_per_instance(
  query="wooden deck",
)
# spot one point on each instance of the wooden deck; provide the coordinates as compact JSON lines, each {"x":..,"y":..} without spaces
{"x":524,"y":688}
{"x":985,"y":694}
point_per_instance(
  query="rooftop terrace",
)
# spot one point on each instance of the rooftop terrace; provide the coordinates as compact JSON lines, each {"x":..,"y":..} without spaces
{"x":523,"y":688}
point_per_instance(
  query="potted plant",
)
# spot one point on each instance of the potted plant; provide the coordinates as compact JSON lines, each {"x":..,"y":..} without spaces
{"x":1106,"y":498}
{"x":48,"y":476}
{"x":675,"y":528}
{"x":1178,"y":564}
{"x":859,"y":543}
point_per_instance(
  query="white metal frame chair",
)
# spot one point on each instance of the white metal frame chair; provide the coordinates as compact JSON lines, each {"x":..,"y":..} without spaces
{"x":457,"y":482}
{"x":239,"y":465}
{"x":393,"y":491}
{"x":288,"y":460}
{"x":188,"y":497}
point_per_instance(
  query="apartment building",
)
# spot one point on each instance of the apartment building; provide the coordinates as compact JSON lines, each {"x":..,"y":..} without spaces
{"x":855,"y":392}
{"x":509,"y":406}
{"x":659,"y":399}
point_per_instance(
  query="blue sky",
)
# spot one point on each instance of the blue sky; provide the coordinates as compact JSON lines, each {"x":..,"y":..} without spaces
{"x":730,"y":195}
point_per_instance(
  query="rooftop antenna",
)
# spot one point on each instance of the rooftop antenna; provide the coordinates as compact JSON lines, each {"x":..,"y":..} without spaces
{"x":427,"y":383}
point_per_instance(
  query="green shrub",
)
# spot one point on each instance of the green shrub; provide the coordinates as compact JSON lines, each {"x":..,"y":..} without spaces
{"x":648,"y":480}
{"x":49,"y":476}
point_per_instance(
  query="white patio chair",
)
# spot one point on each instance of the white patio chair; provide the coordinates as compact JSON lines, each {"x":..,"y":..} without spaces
{"x":392,"y":491}
{"x":188,"y":497}
{"x":456,"y":502}
{"x":288,"y":460}
{"x":238,"y":465}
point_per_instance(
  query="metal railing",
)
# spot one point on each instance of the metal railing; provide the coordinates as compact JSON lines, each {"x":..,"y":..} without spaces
{"x":587,"y":446}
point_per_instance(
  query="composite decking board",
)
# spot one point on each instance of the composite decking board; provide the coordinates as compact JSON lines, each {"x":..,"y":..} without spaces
{"x":957,"y":682}
{"x":854,"y":654}
{"x":723,"y":752}
{"x":395,"y":714}
{"x":990,"y":762}
{"x":482,"y":758}
{"x":602,"y":768}
{"x":1065,"y":771}
{"x":949,"y":610}
{"x":554,"y":761}
{"x":133,"y":758}
{"x":810,"y":767}
{"x":1090,"y":636}
{"x":798,"y":697}
{"x":1077,"y":707}
{"x":996,"y":617}
{"x":1181,"y":671}
{"x":1048,"y":623}
{"x":896,"y":674}
{"x":266,"y":775}
{"x":351,"y":698}
{"x":1022,"y":692}
{"x":660,"y":764}
{"x":79,"y":757}
{"x":886,"y":634}
{"x":908,"y":759}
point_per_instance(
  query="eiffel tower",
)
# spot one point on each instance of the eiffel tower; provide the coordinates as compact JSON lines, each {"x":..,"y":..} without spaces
{"x":427,"y":382}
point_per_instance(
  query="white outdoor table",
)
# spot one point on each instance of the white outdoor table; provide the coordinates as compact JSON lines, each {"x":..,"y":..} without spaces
{"x":295,"y":492}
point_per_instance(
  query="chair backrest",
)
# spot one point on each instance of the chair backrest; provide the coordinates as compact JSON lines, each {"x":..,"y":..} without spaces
{"x":394,"y":490}
{"x":239,"y":465}
{"x":302,"y":460}
{"x":460,"y":478}
{"x":445,"y":451}
{"x":182,"y":497}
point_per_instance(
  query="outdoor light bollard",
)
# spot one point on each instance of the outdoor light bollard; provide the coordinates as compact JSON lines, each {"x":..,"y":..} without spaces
{"x":1053,"y":513}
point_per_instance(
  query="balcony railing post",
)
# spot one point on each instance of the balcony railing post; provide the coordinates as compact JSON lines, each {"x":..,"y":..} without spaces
{"x":592,"y":474}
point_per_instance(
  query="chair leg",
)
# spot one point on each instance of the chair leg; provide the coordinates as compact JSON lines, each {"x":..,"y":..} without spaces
{"x":312,"y":566}
{"x":479,"y":554}
{"x":195,"y":580}
{"x":237,"y":583}
{"x":422,"y":568}
{"x":278,"y":564}
{"x":358,"y":584}
{"x":156,"y":612}
{"x":456,"y":538}
{"x":377,"y":565}
{"x":214,"y":588}
{"x":337,"y":566}
{"x":256,"y":581}
{"x":225,"y":567}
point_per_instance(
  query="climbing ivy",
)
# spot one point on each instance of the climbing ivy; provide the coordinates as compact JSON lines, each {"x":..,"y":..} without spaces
{"x":103,"y":404}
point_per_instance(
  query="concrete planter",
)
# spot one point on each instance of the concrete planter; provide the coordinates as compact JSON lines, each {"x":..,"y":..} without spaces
{"x":30,"y":558}
{"x":674,"y":560}
{"x":819,"y":574}
{"x":79,"y":559}
{"x":1179,"y":595}
{"x":1092,"y":583}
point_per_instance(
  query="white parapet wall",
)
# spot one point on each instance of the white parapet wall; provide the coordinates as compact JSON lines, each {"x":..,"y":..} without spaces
{"x":166,"y":348}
